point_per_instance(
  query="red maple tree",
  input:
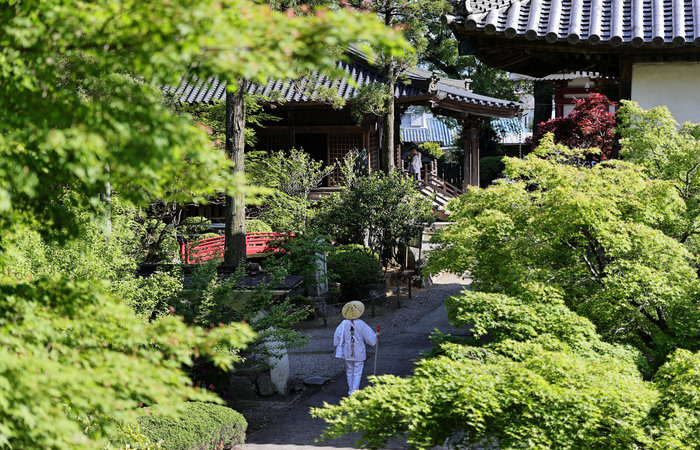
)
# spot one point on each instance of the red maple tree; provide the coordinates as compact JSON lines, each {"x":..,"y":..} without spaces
{"x":590,"y":124}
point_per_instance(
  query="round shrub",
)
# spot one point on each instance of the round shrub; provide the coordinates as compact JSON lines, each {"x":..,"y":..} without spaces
{"x":207,"y":236}
{"x":353,"y":265}
{"x":257,"y":226}
{"x":198,"y":426}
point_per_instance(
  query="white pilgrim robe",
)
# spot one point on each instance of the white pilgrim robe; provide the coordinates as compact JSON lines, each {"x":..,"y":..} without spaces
{"x":344,"y":344}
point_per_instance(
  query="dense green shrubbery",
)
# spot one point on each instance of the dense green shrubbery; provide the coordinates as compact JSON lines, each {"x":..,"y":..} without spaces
{"x":257,"y":226}
{"x":353,"y":265}
{"x":381,"y":210}
{"x":291,"y":175}
{"x":300,"y":255}
{"x":197,"y":426}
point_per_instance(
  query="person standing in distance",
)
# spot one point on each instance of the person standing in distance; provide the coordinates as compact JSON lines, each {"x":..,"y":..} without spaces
{"x":349,"y":340}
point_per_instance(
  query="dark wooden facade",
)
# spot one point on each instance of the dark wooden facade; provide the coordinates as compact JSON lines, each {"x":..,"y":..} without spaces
{"x":325,"y":133}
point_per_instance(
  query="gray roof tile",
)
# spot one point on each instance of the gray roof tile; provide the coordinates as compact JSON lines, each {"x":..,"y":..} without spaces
{"x":193,"y":90}
{"x":637,"y":23}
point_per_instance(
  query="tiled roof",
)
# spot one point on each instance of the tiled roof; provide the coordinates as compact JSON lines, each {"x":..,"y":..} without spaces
{"x":566,"y":76}
{"x":422,"y":83}
{"x":637,"y":23}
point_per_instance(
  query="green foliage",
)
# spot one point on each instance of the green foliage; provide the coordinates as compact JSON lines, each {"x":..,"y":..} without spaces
{"x":72,"y":352}
{"x":299,"y":256}
{"x":74,"y":125}
{"x":353,"y":265}
{"x":654,"y":140}
{"x":294,"y":172}
{"x":130,"y":435}
{"x":432,"y":149}
{"x":64,"y":59}
{"x":286,"y":213}
{"x":209,"y":300}
{"x":371,"y":99}
{"x":571,"y":258}
{"x":675,"y":417}
{"x":197,"y":426}
{"x":383,"y":209}
{"x":524,"y":388}
{"x":257,"y":226}
{"x":595,"y":235}
{"x":292,"y":175}
{"x":192,"y":228}
{"x":212,"y":116}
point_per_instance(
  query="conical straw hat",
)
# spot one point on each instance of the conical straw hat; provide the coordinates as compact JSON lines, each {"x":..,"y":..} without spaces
{"x":353,"y":310}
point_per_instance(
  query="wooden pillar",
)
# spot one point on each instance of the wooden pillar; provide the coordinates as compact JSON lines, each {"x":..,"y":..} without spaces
{"x":474,"y":131}
{"x":365,"y":145}
{"x":466,"y":160}
{"x":397,"y":137}
{"x":470,"y":142}
{"x":625,"y":79}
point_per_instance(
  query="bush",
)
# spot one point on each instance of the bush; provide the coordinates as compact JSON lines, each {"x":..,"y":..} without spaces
{"x":381,"y":211}
{"x":432,"y":149}
{"x":198,"y":426}
{"x":353,"y":265}
{"x":299,"y":256}
{"x":257,"y":226}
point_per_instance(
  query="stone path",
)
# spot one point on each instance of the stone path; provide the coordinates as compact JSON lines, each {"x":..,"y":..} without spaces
{"x":297,"y":430}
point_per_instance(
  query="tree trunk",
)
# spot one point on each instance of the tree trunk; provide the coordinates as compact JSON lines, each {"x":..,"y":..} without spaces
{"x":389,"y":147}
{"x":234,"y":250}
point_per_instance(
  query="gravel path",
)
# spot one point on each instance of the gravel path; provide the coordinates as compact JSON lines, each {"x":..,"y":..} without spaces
{"x":405,"y":335}
{"x":316,"y":358}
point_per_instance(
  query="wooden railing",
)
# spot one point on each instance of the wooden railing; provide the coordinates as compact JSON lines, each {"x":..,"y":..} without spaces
{"x":213,"y":247}
{"x":442,"y":186}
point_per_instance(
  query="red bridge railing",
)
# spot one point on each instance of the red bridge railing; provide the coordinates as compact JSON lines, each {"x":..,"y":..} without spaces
{"x":213,"y":247}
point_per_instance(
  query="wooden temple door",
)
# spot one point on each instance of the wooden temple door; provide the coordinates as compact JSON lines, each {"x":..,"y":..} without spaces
{"x":339,"y":144}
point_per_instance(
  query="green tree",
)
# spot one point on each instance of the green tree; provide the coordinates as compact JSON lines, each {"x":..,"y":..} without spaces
{"x":598,"y":235}
{"x":381,"y":211}
{"x":542,"y":379}
{"x":654,"y":140}
{"x":574,"y":263}
{"x":75,"y":122}
{"x":411,"y":17}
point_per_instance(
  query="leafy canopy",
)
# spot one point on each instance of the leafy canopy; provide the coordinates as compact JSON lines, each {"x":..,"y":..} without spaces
{"x":383,"y":210}
{"x":536,"y":383}
{"x":70,"y":114}
{"x":598,"y":236}
{"x":78,"y":113}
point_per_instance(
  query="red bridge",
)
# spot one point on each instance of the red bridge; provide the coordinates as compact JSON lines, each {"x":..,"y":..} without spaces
{"x":213,"y":247}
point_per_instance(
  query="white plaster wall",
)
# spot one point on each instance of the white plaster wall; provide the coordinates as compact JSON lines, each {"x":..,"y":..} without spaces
{"x":675,"y":85}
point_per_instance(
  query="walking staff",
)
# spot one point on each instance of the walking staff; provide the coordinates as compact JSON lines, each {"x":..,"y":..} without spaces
{"x":376,"y":352}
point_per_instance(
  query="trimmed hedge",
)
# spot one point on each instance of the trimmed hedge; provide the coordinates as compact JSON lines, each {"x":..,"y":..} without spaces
{"x":200,"y":426}
{"x":257,"y":226}
{"x":353,"y":265}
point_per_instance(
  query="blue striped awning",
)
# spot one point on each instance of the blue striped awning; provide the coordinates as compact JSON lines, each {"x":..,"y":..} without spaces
{"x":437,"y":131}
